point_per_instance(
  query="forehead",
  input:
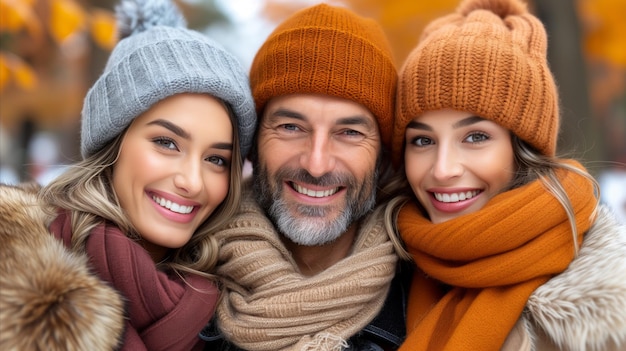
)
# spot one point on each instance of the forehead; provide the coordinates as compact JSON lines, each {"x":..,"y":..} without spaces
{"x":320,"y":109}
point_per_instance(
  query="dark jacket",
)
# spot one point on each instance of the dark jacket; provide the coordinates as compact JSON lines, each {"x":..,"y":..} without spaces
{"x":385,"y":333}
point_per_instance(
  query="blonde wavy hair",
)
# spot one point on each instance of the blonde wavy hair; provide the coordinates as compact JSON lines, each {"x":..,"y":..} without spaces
{"x":86,"y":191}
{"x":530,"y":166}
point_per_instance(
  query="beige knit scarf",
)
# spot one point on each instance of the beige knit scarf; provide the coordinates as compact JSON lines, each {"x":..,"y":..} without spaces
{"x":269,"y":305}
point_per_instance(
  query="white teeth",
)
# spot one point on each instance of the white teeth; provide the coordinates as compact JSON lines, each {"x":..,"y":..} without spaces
{"x":313,"y":193}
{"x":456,"y":197}
{"x":172,"y":206}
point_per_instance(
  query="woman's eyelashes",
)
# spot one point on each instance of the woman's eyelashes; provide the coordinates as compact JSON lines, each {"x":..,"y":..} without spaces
{"x":421,"y":141}
{"x":219,"y":161}
{"x":477,"y":137}
{"x":170,"y":145}
{"x":165,"y":142}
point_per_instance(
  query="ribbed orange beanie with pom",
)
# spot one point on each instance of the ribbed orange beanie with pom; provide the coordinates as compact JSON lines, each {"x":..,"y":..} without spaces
{"x":488,"y":58}
{"x":328,"y":50}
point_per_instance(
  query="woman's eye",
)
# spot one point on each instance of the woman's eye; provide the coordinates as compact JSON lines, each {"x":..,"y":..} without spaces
{"x":422,"y":141}
{"x":477,"y":137}
{"x":220,"y":161}
{"x":165,"y":143}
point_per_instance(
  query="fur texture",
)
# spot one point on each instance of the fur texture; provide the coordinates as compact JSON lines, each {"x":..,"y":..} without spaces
{"x":48,"y":298}
{"x":140,"y":15}
{"x":584,"y":308}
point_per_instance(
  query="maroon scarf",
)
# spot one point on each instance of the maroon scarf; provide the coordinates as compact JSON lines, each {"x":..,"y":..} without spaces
{"x":164,"y":312}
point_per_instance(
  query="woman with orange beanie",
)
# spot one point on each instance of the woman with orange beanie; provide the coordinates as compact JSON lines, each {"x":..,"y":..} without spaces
{"x":513,"y":250}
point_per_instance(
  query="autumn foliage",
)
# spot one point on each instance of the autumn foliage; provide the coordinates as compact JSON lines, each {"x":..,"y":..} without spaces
{"x":48,"y":61}
{"x":39,"y":20}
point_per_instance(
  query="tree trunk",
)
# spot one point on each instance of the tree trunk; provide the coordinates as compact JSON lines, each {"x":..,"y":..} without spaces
{"x":580,"y":133}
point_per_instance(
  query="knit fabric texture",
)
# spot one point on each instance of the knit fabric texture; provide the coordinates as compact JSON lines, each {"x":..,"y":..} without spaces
{"x":488,"y":58}
{"x":332,"y":51}
{"x":158,"y":57}
{"x":268,"y":304}
{"x":491,"y":261}
{"x":156,"y":302}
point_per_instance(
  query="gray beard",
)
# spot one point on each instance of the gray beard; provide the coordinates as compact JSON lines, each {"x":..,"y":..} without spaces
{"x":311,"y":225}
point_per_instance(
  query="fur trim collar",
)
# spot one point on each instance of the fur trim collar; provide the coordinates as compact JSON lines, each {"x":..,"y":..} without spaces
{"x":49,"y":300}
{"x":584,"y":308}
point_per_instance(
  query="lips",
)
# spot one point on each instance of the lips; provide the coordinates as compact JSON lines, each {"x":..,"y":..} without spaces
{"x":452,"y":202}
{"x":455,"y":197}
{"x":314,"y":193}
{"x":172,"y":206}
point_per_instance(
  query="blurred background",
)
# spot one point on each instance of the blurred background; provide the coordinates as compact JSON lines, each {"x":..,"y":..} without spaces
{"x":52,"y":51}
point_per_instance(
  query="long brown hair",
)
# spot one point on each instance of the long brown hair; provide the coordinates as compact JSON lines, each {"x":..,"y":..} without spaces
{"x":86,"y":191}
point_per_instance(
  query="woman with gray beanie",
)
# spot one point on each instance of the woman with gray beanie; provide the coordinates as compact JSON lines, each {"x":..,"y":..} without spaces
{"x":165,"y":130}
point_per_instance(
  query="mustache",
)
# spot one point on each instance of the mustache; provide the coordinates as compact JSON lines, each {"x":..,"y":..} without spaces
{"x":328,"y":179}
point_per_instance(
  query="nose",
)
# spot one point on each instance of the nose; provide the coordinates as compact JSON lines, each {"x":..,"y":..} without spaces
{"x":318,"y":158}
{"x":188,"y":178}
{"x":447,"y":164}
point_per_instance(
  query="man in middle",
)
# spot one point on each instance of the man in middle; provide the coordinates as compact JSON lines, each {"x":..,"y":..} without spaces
{"x":309,"y":262}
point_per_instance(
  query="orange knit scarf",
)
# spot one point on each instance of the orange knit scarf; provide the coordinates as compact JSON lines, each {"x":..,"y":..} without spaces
{"x":492,"y":260}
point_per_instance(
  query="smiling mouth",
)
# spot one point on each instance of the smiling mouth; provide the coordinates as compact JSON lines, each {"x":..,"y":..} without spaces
{"x":172,"y":206}
{"x":455,"y":197}
{"x":313,"y":193}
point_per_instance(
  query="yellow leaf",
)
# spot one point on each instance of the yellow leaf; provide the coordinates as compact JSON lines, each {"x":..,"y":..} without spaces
{"x":4,"y":73}
{"x":66,"y":18}
{"x":604,"y":29}
{"x":103,"y":28}
{"x":10,"y":19}
{"x":25,"y":76}
{"x":22,"y":73}
{"x":17,"y":15}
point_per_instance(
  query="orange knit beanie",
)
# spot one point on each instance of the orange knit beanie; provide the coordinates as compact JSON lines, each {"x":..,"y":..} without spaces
{"x":332,"y":51}
{"x":488,"y":58}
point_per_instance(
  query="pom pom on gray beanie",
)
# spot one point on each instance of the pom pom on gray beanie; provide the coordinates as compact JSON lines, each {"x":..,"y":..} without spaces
{"x":157,"y":57}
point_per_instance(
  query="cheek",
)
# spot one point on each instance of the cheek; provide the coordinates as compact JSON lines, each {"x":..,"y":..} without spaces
{"x":122,"y":173}
{"x":218,"y":188}
{"x":135,"y":163}
{"x":272,"y":154}
{"x":362,"y":162}
{"x":416,"y":167}
{"x":498,"y":167}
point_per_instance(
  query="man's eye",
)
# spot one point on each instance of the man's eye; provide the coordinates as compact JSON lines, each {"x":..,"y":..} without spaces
{"x":291,"y":127}
{"x":352,"y":132}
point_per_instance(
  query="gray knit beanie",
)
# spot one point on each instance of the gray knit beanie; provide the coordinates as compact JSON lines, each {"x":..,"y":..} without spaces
{"x":157,"y":57}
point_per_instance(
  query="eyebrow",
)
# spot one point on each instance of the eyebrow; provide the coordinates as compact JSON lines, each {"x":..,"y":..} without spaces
{"x":350,"y":120}
{"x":223,"y":146}
{"x":172,"y":127}
{"x":183,"y":134}
{"x":462,"y":123}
